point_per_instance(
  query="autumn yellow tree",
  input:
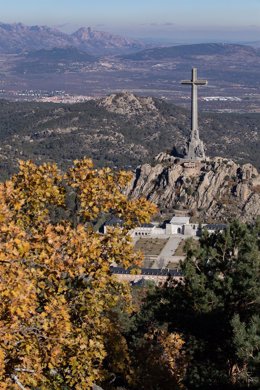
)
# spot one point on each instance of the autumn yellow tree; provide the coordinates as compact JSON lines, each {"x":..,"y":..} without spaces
{"x":56,"y":289}
{"x":159,"y":360}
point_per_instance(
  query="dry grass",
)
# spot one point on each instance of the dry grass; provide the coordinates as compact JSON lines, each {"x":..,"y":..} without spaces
{"x":180,"y":249}
{"x":150,"y":246}
{"x":173,"y":265}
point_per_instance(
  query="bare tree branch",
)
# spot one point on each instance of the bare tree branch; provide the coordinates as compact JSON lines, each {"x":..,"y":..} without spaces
{"x":16,"y":380}
{"x":24,"y":370}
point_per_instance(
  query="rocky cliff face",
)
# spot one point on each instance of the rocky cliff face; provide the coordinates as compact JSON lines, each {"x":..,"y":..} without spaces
{"x":214,"y":190}
{"x":86,"y":38}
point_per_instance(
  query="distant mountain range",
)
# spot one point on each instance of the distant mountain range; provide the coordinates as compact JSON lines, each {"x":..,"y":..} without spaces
{"x":48,"y":60}
{"x":202,"y":49}
{"x":94,"y":63}
{"x":253,"y":44}
{"x":17,"y":38}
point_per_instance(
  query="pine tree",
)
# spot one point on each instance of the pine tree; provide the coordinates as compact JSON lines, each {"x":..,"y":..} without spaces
{"x":215,"y":309}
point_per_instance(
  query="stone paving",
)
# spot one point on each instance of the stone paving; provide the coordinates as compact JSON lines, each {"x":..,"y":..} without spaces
{"x":166,"y":257}
{"x":168,"y":251}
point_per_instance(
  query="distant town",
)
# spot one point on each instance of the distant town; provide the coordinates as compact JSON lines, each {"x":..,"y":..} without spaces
{"x":246,"y":103}
{"x":65,"y":77}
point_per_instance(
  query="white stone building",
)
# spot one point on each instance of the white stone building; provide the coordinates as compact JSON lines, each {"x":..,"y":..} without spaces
{"x":177,"y":226}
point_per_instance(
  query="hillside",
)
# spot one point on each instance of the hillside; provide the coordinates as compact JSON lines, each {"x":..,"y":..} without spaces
{"x":201,"y":49}
{"x":217,"y":190}
{"x":52,"y":60}
{"x":121,"y":130}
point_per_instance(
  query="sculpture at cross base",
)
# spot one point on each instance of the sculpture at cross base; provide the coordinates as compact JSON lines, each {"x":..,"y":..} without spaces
{"x":195,"y":147}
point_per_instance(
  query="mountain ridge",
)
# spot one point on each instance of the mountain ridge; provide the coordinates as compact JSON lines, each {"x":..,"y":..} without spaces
{"x":199,"y":49}
{"x":17,"y":38}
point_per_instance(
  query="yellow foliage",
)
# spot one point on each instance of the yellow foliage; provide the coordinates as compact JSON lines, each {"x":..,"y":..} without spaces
{"x":173,"y":355}
{"x":56,"y":289}
{"x":161,"y":358}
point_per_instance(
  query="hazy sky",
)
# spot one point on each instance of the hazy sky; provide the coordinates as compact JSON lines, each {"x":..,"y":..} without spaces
{"x":175,"y":19}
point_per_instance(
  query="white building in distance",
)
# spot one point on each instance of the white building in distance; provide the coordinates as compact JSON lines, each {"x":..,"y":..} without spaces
{"x":177,"y":225}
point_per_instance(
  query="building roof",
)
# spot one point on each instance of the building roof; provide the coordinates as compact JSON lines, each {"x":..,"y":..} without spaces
{"x":114,"y":221}
{"x":147,"y":271}
{"x":147,"y":225}
{"x":180,"y":220}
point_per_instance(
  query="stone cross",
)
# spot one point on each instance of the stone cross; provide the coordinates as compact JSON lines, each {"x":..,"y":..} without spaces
{"x":195,"y":146}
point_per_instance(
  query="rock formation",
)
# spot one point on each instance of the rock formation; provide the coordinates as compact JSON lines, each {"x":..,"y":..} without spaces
{"x":212,"y":190}
{"x":128,"y":104}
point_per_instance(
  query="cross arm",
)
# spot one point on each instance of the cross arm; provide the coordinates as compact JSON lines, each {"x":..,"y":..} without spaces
{"x":187,"y":82}
{"x":201,"y":82}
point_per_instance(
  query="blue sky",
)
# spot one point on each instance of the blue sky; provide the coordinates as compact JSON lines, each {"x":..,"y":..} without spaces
{"x":175,"y":19}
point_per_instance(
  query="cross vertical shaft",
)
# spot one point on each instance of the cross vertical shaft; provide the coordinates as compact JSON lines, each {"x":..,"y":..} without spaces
{"x":194,"y":101}
{"x":194,"y":82}
{"x":195,"y":145}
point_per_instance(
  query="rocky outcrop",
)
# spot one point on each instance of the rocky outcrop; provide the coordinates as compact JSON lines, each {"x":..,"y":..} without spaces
{"x":126,"y":103}
{"x":212,"y":190}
